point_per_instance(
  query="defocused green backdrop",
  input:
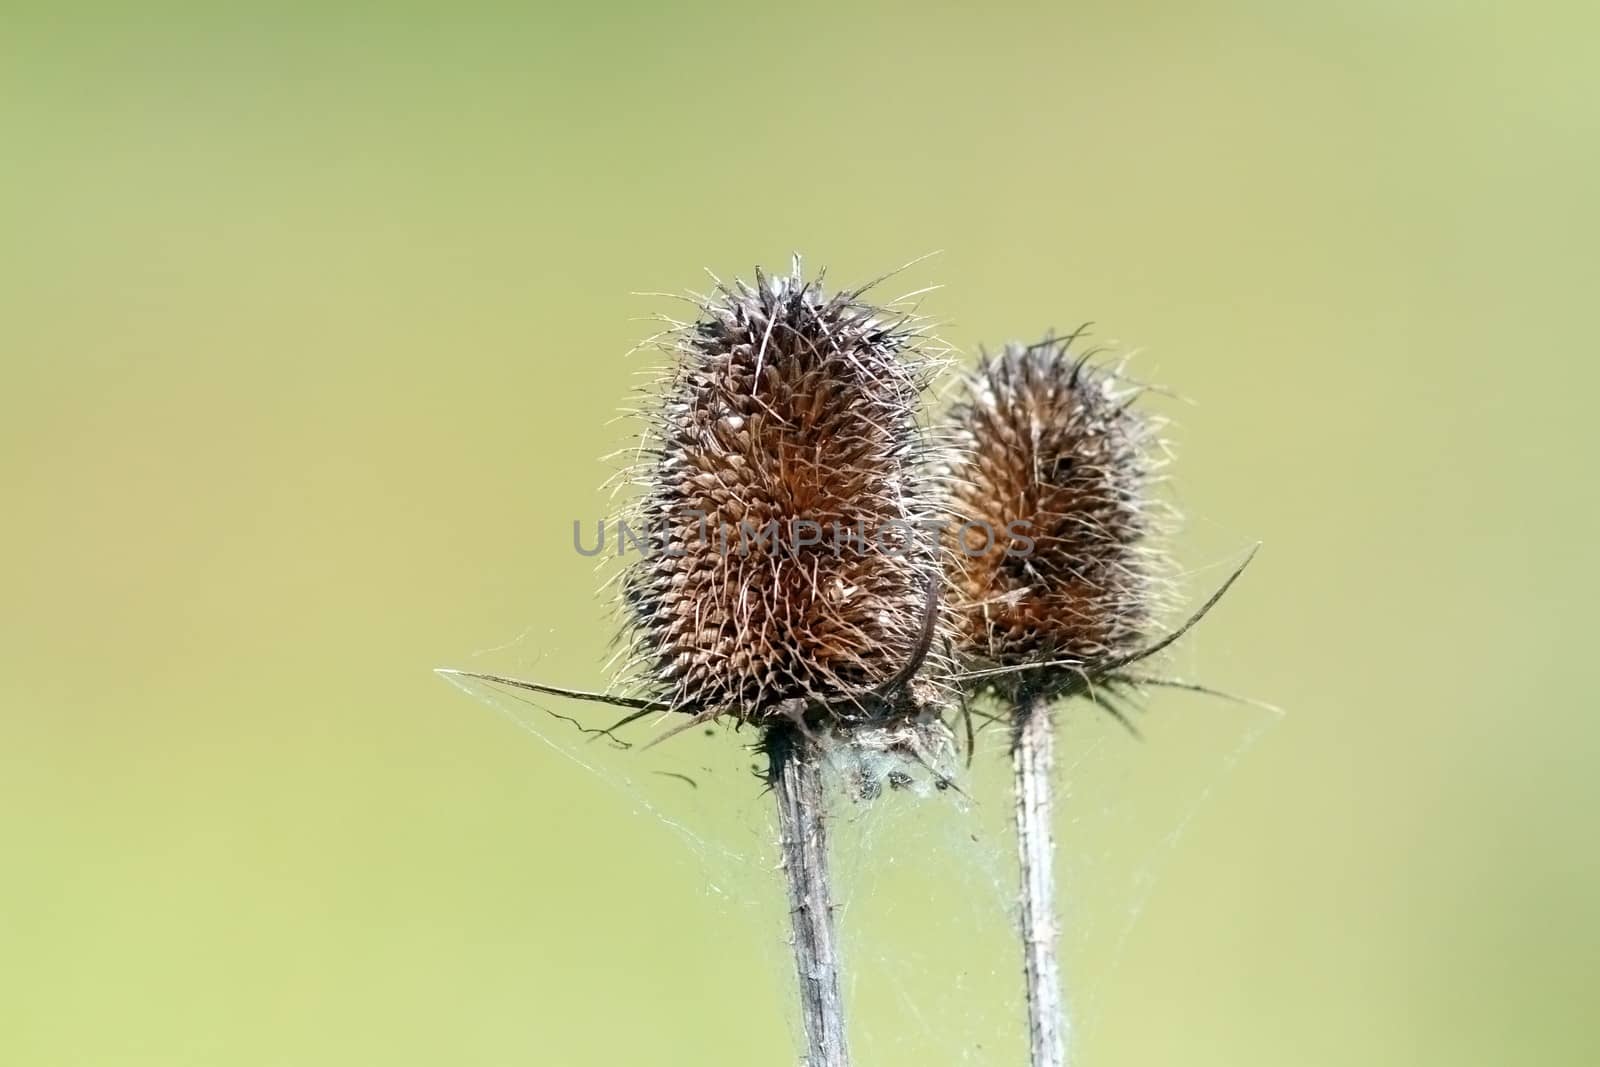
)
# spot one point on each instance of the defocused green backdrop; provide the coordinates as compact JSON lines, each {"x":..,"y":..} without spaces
{"x":313,"y":319}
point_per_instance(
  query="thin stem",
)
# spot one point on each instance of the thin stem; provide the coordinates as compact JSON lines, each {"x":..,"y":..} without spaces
{"x":1032,"y":759}
{"x":796,"y":775}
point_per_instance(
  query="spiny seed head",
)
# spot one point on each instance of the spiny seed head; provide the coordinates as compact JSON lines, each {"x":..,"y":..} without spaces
{"x":782,"y":486}
{"x":1046,"y":453}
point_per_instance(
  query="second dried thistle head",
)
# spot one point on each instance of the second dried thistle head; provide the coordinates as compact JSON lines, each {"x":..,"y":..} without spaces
{"x":1049,"y":450}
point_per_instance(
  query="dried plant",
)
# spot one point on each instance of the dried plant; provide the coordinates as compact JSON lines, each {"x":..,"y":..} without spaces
{"x":789,"y":416}
{"x":792,"y":580}
{"x":1050,"y":448}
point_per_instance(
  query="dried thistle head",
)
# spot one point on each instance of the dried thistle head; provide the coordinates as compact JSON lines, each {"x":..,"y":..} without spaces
{"x":782,"y":488}
{"x":1048,"y":484}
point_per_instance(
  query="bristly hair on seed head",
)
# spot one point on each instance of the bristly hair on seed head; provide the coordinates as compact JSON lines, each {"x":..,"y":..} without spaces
{"x":1048,"y":476}
{"x":791,"y":572}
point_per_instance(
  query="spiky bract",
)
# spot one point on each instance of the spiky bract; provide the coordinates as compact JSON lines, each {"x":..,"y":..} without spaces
{"x":782,"y":486}
{"x":1046,"y":446}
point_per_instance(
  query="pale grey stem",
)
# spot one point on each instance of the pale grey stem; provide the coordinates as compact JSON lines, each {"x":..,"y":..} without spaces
{"x":803,"y":844}
{"x":1032,"y":759}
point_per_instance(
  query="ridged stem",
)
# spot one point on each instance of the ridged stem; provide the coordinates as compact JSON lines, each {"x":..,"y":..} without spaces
{"x":796,"y":776}
{"x":1032,"y":759}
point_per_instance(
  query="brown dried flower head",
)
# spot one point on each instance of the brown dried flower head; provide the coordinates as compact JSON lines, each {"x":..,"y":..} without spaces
{"x":783,"y":485}
{"x":1048,"y":455}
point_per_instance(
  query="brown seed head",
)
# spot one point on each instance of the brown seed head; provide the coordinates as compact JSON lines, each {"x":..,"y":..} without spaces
{"x":1046,"y":454}
{"x":782,"y":484}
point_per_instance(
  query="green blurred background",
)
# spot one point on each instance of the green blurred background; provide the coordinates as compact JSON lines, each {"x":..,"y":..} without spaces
{"x":313,"y":323}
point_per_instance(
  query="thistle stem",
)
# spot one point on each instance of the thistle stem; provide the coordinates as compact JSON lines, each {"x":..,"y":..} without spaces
{"x":796,"y":776}
{"x":1032,"y":758}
